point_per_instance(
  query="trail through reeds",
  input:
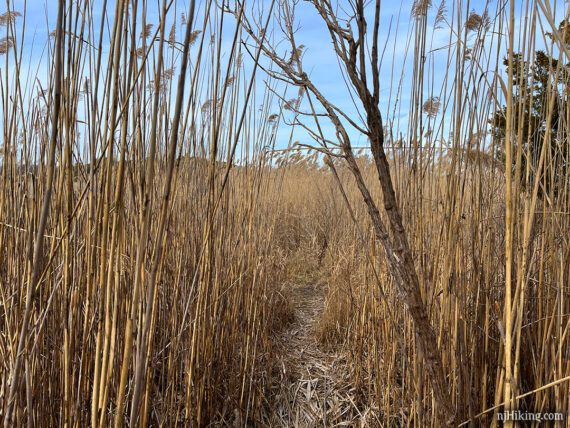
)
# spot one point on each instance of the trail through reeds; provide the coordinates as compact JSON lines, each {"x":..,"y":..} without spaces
{"x":315,"y":390}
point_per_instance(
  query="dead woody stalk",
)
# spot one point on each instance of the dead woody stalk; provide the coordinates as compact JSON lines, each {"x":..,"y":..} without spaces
{"x":350,"y":45}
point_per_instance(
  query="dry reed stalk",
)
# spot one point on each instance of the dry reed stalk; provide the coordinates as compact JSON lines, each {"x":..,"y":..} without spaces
{"x":15,"y":375}
{"x":180,"y":246}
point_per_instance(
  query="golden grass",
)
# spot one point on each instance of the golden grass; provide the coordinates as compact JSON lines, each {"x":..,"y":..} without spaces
{"x":157,"y":257}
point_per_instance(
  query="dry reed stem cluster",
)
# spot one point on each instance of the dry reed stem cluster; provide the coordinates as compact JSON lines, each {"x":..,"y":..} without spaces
{"x":153,"y":243}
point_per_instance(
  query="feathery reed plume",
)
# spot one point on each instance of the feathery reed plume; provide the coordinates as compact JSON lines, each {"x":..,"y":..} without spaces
{"x":230,"y":81}
{"x":476,"y":22}
{"x":168,"y":73}
{"x":8,"y":17}
{"x":172,"y":34}
{"x":146,"y":31}
{"x":296,"y":54}
{"x":6,"y":43}
{"x":194,"y":36}
{"x":431,"y":106}
{"x":420,"y":8}
{"x":440,"y":15}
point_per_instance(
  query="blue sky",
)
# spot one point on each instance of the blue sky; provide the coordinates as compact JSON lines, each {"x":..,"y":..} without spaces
{"x":397,"y":26}
{"x":319,"y":60}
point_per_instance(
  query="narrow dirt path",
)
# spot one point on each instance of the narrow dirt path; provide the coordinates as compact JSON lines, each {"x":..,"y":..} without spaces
{"x":314,"y":391}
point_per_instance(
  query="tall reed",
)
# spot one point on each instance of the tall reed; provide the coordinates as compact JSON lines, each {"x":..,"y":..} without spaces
{"x":150,"y":219}
{"x":136,"y":261}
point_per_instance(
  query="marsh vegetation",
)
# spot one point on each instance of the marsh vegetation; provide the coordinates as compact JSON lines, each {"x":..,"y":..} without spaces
{"x":185,"y":243}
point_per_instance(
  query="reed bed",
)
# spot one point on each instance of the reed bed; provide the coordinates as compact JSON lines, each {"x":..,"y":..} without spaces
{"x":486,"y":214}
{"x":156,"y":237}
{"x":136,"y":273}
